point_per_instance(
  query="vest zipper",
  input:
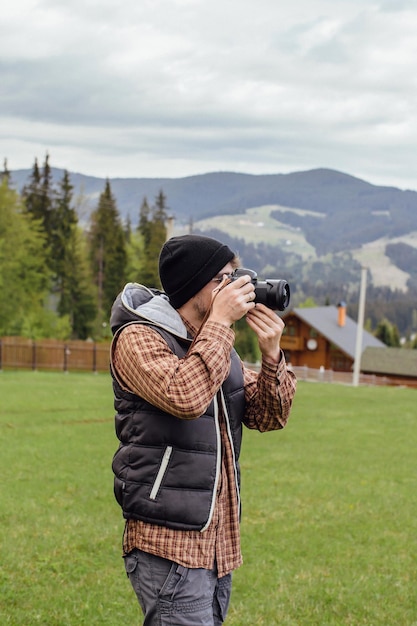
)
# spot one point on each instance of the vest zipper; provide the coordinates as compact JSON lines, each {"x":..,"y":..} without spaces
{"x":229,"y":434}
{"x":161,"y":472}
{"x":218,"y":463}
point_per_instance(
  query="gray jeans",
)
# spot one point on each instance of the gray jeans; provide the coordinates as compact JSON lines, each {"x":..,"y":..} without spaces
{"x":172,"y":595}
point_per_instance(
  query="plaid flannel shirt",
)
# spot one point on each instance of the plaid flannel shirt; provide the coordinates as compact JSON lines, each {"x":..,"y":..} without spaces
{"x":184,"y":388}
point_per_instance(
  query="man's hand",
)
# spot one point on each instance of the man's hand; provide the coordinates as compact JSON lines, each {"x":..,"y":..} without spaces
{"x":268,"y":328}
{"x":233,"y":301}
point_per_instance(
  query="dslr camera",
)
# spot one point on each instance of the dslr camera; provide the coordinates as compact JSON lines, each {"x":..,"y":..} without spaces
{"x":274,"y":293}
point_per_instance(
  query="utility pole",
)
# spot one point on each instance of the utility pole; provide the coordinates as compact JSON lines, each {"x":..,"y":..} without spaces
{"x":359,"y":332}
{"x":169,"y":226}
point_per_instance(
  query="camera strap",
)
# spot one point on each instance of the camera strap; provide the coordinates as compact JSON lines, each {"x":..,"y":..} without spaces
{"x":226,"y":280}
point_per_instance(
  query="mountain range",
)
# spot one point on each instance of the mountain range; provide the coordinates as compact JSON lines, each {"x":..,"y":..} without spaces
{"x":321,"y":216}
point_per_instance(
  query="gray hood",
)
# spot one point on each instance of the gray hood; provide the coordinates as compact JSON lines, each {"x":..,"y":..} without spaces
{"x":139,"y":303}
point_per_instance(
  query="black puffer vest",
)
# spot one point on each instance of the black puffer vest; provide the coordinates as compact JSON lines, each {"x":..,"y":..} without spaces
{"x":167,"y":469}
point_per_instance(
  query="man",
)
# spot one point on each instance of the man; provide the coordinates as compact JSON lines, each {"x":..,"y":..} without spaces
{"x":181,"y":396}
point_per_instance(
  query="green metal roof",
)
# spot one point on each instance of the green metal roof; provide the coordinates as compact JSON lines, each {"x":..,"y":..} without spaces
{"x":390,"y":361}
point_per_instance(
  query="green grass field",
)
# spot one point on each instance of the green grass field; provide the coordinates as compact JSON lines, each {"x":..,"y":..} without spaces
{"x":329,"y":525}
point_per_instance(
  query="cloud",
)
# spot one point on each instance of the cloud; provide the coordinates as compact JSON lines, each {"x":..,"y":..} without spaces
{"x":177,"y":87}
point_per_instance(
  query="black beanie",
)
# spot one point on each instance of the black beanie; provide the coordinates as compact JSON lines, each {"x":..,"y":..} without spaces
{"x":188,"y":263}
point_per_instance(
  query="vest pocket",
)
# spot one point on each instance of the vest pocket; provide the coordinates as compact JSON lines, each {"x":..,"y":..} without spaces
{"x":161,"y":473}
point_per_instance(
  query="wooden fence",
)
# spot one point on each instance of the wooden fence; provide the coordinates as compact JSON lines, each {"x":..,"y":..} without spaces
{"x":346,"y":378}
{"x":88,"y":356}
{"x":54,"y":355}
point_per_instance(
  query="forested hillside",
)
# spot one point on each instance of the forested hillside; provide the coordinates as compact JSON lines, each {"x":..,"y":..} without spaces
{"x":321,"y":226}
{"x":350,"y":205}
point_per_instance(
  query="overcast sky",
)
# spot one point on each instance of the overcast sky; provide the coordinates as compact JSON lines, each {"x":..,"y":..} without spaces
{"x":171,"y":88}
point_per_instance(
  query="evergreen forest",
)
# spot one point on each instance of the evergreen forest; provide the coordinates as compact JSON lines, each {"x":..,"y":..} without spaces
{"x":59,"y":275}
{"x":59,"y":279}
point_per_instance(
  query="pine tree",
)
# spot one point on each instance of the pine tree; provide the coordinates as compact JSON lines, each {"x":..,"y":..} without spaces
{"x":388,"y":333}
{"x":107,"y":251}
{"x":32,"y":193}
{"x":5,"y":174}
{"x":395,"y":336}
{"x":39,"y":198}
{"x":152,"y":226}
{"x":78,"y":300}
{"x":47,"y":200}
{"x":62,"y":226}
{"x":135,"y":257}
{"x":144,"y":221}
{"x":70,"y":286}
{"x":72,"y":277}
{"x":158,"y":236}
{"x":128,"y":229}
{"x":160,"y":210}
{"x":24,"y":273}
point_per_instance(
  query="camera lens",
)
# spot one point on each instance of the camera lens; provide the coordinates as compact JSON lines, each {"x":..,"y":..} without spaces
{"x":275,"y":294}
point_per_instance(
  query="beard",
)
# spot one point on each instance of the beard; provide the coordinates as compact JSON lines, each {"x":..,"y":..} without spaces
{"x":200,"y":306}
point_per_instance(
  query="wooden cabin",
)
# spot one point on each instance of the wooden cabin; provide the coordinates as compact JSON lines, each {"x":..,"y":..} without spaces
{"x":323,"y":337}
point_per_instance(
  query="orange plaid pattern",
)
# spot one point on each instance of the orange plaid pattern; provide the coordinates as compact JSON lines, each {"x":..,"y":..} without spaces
{"x":184,"y":388}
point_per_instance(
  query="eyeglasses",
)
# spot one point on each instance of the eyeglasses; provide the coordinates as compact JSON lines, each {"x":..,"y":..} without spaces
{"x":219,"y":279}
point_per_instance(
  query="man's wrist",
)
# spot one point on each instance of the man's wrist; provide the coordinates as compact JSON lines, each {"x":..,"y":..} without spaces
{"x":218,"y":331}
{"x":219,"y":320}
{"x":272,"y":364}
